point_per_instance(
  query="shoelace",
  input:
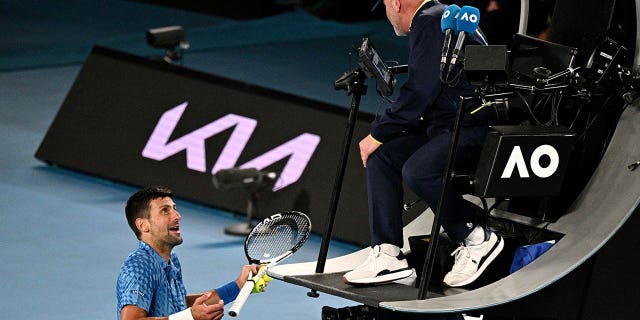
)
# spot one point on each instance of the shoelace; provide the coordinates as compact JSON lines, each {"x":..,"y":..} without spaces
{"x":371,"y":261}
{"x":459,"y":254}
{"x":375,"y":252}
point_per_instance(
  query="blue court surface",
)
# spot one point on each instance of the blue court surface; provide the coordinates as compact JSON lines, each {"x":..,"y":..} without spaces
{"x":63,"y":234}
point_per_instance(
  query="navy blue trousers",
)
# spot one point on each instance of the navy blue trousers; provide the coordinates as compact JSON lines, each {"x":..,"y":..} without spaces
{"x":419,"y":160}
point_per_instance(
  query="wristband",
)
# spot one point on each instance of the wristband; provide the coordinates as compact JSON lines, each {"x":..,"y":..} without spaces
{"x":182,"y":315}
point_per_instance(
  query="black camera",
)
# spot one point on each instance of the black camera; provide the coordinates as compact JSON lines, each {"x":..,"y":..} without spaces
{"x":249,"y":178}
{"x":362,"y":312}
{"x":167,"y":37}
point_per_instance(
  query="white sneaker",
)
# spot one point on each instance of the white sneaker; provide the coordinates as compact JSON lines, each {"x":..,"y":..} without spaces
{"x":385,"y":263}
{"x":471,"y":261}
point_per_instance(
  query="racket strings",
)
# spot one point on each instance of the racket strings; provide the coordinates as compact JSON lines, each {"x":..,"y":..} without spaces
{"x":275,"y":238}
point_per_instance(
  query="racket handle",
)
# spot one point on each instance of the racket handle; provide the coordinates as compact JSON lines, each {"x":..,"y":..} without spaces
{"x":244,"y":294}
{"x":241,"y":298}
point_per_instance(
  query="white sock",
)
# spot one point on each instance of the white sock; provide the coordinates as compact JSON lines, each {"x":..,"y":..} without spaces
{"x":390,"y":249}
{"x":476,"y":237}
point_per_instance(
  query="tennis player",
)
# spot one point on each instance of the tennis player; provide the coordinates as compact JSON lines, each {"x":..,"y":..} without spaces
{"x":150,"y":279}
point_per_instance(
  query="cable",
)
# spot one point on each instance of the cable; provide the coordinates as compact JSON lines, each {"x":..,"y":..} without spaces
{"x":576,"y":117}
{"x":533,"y":116}
{"x":456,"y":78}
{"x":537,"y":234}
{"x":591,"y":121}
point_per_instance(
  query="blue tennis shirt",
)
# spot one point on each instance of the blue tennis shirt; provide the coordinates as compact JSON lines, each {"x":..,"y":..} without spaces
{"x":149,"y":282}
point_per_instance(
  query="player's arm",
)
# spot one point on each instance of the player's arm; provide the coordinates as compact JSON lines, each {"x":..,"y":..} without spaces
{"x":213,"y":299}
{"x":133,"y":312}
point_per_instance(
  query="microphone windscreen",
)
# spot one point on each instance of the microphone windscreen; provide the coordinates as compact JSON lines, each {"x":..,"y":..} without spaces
{"x":448,"y":20}
{"x":468,"y":20}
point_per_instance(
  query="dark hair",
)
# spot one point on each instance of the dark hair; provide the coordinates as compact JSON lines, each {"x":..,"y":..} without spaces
{"x":138,"y":204}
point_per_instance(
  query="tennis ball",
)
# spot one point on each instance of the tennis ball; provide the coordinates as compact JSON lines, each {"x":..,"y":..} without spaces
{"x":265,"y":276}
{"x":258,"y":286}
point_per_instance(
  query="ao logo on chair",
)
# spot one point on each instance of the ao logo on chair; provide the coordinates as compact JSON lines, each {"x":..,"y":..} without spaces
{"x":517,"y":162}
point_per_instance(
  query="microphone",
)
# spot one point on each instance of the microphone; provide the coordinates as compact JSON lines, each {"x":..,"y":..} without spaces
{"x":466,"y":24}
{"x":448,"y":26}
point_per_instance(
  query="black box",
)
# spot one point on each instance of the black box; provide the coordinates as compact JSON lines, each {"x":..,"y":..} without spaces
{"x":523,"y":161}
{"x":486,"y":63}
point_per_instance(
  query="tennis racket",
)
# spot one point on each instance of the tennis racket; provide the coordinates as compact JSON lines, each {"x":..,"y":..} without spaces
{"x":269,"y":242}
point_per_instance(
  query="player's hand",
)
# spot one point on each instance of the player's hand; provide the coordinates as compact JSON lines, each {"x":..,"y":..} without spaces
{"x":244,"y":274}
{"x":202,"y":311}
{"x":262,"y":282}
{"x":367,"y":146}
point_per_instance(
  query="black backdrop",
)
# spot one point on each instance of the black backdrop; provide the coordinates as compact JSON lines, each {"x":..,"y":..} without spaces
{"x":117,"y":99}
{"x":585,"y":23}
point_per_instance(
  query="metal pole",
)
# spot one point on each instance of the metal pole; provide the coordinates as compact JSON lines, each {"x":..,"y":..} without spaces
{"x":446,"y":182}
{"x":358,"y":88}
{"x":524,"y":16}
{"x":636,"y":56}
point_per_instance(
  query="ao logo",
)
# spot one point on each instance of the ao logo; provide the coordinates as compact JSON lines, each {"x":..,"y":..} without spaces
{"x":516,"y":161}
{"x":469,"y":17}
{"x":447,"y":13}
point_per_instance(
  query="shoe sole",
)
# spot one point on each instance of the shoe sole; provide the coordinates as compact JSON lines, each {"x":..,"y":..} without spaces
{"x":381,"y":279}
{"x":495,"y":251}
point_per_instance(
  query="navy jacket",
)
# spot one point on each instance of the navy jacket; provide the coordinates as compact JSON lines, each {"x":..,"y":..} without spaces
{"x":424,"y":101}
